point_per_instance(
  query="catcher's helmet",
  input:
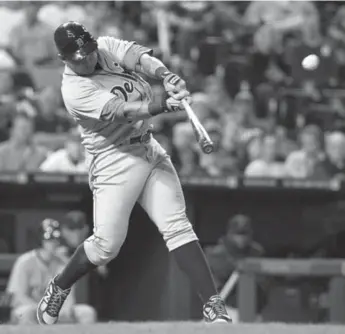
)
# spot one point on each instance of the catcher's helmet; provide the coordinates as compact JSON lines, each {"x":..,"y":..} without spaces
{"x":50,"y":229}
{"x":73,"y":41}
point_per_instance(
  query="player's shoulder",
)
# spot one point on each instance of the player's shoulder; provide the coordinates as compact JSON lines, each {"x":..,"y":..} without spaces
{"x":72,"y":85}
{"x":108,"y":42}
{"x":26,"y":259}
{"x":113,"y":44}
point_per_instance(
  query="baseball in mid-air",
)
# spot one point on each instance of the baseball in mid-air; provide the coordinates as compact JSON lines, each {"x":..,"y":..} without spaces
{"x":311,"y":62}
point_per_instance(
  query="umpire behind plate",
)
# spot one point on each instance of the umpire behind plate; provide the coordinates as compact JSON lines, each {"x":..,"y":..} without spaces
{"x":103,"y":91}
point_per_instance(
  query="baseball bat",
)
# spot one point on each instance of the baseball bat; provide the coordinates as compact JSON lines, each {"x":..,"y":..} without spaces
{"x":229,"y":285}
{"x":200,"y":133}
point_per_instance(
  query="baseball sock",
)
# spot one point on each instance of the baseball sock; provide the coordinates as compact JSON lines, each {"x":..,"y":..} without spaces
{"x":191,"y":259}
{"x":78,"y":266}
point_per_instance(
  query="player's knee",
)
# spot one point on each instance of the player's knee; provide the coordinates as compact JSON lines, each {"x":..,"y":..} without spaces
{"x":24,"y":315}
{"x":85,"y":314}
{"x":178,"y":232}
{"x":101,"y":251}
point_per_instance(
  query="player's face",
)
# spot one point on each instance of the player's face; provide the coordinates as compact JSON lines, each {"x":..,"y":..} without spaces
{"x":50,"y":246}
{"x":85,"y":66}
{"x":336,"y":150}
{"x":74,"y":237}
{"x":310,"y":143}
{"x":240,"y":240}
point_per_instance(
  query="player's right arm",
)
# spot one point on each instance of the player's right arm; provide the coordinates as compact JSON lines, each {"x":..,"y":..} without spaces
{"x":18,"y":284}
{"x":89,"y":101}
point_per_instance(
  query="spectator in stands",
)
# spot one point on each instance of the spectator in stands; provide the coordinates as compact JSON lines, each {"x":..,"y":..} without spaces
{"x":240,"y":125}
{"x":267,"y":165}
{"x":31,"y":41}
{"x":70,"y":159}
{"x":19,"y":153}
{"x":8,"y":98}
{"x":219,"y":100}
{"x":309,"y":161}
{"x":284,"y":144}
{"x":30,"y":275}
{"x":184,"y":142}
{"x":51,"y":117}
{"x":335,"y":152}
{"x":220,"y":162}
{"x":273,"y":20}
{"x":11,"y":15}
{"x":74,"y":230}
{"x":54,"y":13}
{"x":104,"y":21}
{"x":203,"y":107}
{"x":252,"y":150}
{"x":237,"y":244}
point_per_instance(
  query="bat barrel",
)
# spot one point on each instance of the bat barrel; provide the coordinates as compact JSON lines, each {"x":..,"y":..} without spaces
{"x":207,"y":147}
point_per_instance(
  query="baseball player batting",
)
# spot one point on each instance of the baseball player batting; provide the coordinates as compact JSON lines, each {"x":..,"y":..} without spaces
{"x":103,"y":91}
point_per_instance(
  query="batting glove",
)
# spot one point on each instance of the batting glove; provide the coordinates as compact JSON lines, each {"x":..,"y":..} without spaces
{"x":173,"y":105}
{"x":175,"y":86}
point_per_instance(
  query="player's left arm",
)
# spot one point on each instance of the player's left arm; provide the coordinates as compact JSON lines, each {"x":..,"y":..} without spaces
{"x":174,"y":85}
{"x":135,"y":57}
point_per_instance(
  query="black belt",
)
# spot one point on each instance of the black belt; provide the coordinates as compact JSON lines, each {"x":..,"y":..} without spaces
{"x":143,"y":139}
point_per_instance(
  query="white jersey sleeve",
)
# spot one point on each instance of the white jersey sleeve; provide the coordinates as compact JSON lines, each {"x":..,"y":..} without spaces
{"x":84,"y":99}
{"x":127,"y":53}
{"x":18,"y":283}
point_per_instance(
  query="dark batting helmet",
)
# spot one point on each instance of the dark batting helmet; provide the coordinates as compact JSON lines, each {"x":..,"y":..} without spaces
{"x":73,"y":41}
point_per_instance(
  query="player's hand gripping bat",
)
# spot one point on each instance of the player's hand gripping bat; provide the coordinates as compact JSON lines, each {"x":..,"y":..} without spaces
{"x":200,"y":133}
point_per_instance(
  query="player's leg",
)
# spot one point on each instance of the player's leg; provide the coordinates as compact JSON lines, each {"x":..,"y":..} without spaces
{"x":85,"y":314}
{"x":163,"y":200}
{"x":116,"y":189}
{"x":24,"y":315}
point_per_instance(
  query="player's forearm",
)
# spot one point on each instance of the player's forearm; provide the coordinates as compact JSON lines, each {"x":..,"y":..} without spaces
{"x":152,"y":67}
{"x":128,"y":112}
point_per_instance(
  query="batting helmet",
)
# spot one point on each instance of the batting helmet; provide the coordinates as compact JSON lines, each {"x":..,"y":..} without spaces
{"x":73,"y":41}
{"x":50,"y":229}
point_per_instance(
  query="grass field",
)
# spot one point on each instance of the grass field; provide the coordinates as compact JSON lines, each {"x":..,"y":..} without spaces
{"x":174,"y":328}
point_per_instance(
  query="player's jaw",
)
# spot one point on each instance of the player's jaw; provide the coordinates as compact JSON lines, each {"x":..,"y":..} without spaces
{"x":85,"y":66}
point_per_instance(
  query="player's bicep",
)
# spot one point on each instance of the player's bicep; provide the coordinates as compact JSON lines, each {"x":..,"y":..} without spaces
{"x":128,"y":53}
{"x":133,"y":55}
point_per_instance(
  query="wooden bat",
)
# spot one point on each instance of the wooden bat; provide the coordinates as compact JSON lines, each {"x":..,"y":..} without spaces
{"x":200,"y":133}
{"x":229,"y":285}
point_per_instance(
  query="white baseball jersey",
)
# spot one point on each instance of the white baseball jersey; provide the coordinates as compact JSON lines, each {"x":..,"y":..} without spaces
{"x":31,"y":274}
{"x":85,"y":96}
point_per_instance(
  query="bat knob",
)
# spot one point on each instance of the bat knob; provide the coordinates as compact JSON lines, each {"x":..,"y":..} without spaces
{"x":207,"y":147}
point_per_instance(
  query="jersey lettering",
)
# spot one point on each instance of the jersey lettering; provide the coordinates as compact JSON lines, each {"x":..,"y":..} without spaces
{"x":127,"y":88}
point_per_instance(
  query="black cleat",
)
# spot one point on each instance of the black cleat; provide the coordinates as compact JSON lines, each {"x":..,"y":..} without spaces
{"x":214,"y":311}
{"x":50,"y":305}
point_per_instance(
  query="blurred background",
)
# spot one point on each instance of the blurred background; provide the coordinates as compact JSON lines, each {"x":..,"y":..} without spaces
{"x":273,"y":188}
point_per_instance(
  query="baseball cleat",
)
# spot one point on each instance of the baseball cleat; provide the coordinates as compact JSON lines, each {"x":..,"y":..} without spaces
{"x":50,"y":305}
{"x":214,"y":311}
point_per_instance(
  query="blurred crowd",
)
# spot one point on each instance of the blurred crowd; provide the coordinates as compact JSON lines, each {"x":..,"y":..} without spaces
{"x":267,"y":115}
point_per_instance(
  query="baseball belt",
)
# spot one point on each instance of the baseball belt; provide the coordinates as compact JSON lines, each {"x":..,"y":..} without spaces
{"x":143,"y":139}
